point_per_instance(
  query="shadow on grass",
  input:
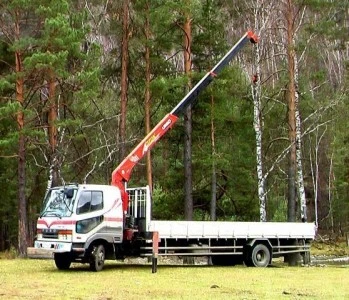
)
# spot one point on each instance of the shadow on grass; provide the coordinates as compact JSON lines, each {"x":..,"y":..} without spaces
{"x":77,"y":267}
{"x":120,"y":266}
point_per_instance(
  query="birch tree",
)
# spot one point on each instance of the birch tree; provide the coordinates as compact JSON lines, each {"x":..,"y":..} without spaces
{"x":260,"y":18}
{"x":300,"y":178}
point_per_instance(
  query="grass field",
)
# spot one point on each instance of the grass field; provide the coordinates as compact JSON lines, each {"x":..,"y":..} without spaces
{"x":39,"y":279}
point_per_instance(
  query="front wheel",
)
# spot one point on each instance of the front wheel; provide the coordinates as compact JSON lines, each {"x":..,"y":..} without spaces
{"x":62,"y":260}
{"x":97,"y":258}
{"x":260,"y":256}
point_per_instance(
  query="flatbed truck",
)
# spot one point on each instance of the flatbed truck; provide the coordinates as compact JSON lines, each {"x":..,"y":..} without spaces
{"x":89,"y":223}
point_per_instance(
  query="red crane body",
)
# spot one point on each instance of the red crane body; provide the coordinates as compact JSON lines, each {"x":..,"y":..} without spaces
{"x":122,"y":173}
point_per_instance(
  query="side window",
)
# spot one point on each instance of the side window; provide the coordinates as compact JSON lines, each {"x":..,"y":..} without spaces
{"x":90,"y":201}
{"x":97,"y":201}
{"x":84,"y":203}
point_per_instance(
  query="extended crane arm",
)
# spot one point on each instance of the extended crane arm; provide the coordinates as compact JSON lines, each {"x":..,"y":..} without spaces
{"x":123,"y":172}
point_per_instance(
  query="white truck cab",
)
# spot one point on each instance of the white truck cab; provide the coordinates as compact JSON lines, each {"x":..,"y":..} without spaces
{"x":75,"y":216}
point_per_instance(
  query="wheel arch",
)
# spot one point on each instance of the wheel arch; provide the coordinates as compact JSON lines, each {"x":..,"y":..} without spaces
{"x":251,"y":243}
{"x":100,"y":240}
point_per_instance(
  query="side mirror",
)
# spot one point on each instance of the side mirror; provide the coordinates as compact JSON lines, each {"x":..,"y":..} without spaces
{"x":69,"y":193}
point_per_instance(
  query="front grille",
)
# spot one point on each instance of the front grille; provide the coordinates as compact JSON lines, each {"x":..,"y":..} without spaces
{"x":50,"y":233}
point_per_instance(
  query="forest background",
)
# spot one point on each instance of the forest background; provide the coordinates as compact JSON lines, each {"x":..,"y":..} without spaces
{"x":82,"y":82}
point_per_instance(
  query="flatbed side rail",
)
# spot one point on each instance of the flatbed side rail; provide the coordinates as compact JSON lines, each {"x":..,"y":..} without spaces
{"x":209,"y":247}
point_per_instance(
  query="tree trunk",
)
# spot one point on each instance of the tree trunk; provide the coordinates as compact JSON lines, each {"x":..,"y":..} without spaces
{"x":314,"y":165}
{"x":124,"y":80}
{"x":257,"y":125}
{"x":259,"y":162}
{"x":213,"y":210}
{"x":291,"y":209}
{"x":188,"y":189}
{"x":52,"y":129}
{"x":22,"y":201}
{"x":147,"y":107}
{"x":300,"y":178}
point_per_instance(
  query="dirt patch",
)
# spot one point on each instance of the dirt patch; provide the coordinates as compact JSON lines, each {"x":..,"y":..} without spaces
{"x":325,"y":260}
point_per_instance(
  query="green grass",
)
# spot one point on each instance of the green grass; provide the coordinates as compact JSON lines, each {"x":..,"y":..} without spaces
{"x":39,"y":279}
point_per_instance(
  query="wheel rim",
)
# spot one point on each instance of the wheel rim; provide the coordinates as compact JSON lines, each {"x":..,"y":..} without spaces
{"x":260,"y":256}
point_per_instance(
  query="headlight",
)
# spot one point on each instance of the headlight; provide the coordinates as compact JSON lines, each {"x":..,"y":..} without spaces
{"x":39,"y":234}
{"x":65,"y":234}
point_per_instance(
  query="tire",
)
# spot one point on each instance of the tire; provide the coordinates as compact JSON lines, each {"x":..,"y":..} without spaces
{"x":97,"y":258}
{"x":62,"y":260}
{"x":260,"y":256}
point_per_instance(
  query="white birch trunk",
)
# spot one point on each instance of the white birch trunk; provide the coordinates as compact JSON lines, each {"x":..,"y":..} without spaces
{"x":315,"y":171}
{"x":259,"y":162}
{"x":213,"y":208}
{"x":315,"y":182}
{"x":300,"y":178}
{"x":330,"y":176}
{"x":257,"y":123}
{"x":50,"y":179}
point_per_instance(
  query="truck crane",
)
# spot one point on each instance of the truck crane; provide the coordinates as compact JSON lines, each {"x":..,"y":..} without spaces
{"x":89,"y":223}
{"x":122,"y":173}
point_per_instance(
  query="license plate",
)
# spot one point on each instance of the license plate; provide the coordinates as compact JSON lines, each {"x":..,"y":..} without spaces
{"x":57,"y":247}
{"x":62,"y":247}
{"x":46,"y":246}
{"x":43,"y":245}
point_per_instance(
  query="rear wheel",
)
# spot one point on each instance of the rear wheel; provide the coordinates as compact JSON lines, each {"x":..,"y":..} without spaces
{"x":260,"y":256}
{"x":97,"y":258}
{"x":62,"y":260}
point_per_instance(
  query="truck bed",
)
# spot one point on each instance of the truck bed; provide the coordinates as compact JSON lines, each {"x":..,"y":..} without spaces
{"x":231,"y":230}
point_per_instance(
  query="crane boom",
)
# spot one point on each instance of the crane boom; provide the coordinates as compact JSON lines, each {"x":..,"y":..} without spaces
{"x":122,"y":173}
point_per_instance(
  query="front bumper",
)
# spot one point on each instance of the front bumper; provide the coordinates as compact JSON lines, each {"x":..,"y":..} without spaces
{"x":52,"y":246}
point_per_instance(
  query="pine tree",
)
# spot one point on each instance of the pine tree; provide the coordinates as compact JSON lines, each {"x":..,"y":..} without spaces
{"x":46,"y":42}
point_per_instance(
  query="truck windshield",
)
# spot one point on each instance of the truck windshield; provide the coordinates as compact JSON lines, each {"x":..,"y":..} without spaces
{"x":59,"y":203}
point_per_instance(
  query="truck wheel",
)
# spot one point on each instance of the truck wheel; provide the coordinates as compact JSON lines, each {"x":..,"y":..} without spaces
{"x":62,"y":260}
{"x":97,"y":258}
{"x":260,"y":256}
